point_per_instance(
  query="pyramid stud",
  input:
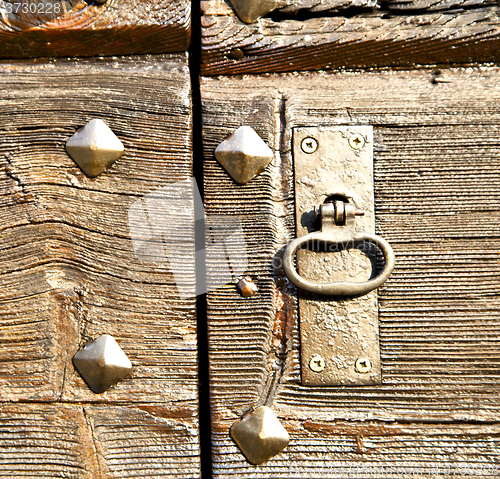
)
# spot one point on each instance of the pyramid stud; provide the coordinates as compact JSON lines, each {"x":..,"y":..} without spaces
{"x":102,"y":363}
{"x":249,"y":11}
{"x":244,"y":154}
{"x":260,"y":435}
{"x":94,"y":147}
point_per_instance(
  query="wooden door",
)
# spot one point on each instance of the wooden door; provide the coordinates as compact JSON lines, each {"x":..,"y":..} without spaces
{"x":71,"y":271}
{"x":436,"y":200}
{"x":422,"y":73}
{"x":436,"y":188}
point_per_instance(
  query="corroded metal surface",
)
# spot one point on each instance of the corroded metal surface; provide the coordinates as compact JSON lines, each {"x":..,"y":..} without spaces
{"x":247,"y":287}
{"x":341,"y":331}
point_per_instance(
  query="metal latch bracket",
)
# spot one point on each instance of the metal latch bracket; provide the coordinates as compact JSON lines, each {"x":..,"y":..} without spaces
{"x":339,"y":336}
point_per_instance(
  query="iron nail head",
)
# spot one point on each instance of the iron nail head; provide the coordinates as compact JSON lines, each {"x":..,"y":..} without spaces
{"x":363,"y":365}
{"x":317,"y":363}
{"x":357,"y":141}
{"x":309,"y":145}
{"x":247,"y":287}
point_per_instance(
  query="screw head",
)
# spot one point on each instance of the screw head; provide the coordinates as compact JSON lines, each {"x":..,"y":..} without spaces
{"x":357,"y":141}
{"x":309,"y":145}
{"x":236,"y":54}
{"x":317,"y":363}
{"x":363,"y":365}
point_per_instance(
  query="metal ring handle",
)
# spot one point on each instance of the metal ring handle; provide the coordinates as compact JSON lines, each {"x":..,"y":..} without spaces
{"x":340,"y":288}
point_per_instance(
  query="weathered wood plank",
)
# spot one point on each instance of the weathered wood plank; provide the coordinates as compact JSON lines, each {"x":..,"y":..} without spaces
{"x":223,"y":7}
{"x":63,"y":28}
{"x":323,"y":450}
{"x":298,"y":7}
{"x":68,"y":271}
{"x":364,"y":40}
{"x":39,"y":440}
{"x":147,"y":440}
{"x":437,"y":192}
{"x":98,"y":442}
{"x":409,"y":5}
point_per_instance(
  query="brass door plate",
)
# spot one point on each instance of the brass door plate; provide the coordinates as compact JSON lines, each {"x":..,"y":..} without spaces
{"x":339,"y":336}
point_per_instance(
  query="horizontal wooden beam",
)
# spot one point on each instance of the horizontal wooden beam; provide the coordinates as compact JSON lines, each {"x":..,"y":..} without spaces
{"x":81,"y":28}
{"x":364,"y":40}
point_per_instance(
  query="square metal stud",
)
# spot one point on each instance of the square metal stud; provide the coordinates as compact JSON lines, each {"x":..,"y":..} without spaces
{"x":94,"y":147}
{"x":102,"y":363}
{"x":244,"y":154}
{"x":249,"y":11}
{"x":260,"y":435}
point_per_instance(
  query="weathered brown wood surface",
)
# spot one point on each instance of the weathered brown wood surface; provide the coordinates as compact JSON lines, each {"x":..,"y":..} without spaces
{"x":68,"y":272}
{"x":97,"y":442}
{"x":296,"y":7}
{"x":437,"y":194}
{"x":387,"y":37}
{"x":371,"y":450}
{"x":61,"y":28}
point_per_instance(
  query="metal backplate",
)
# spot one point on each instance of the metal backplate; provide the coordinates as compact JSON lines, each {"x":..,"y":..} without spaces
{"x":339,"y":336}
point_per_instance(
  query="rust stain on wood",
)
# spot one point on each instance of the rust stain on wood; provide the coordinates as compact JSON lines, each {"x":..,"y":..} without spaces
{"x":349,"y":429}
{"x":284,"y":318}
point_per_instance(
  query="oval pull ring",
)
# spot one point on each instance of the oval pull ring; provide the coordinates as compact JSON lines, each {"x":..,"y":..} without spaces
{"x":339,"y":236}
{"x":340,"y":288}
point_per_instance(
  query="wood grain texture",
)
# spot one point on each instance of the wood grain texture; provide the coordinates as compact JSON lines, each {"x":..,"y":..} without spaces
{"x":362,"y":40}
{"x":323,"y":450}
{"x":223,"y":7}
{"x":97,"y":442}
{"x":434,"y":5}
{"x":437,"y":192}
{"x":68,"y":271}
{"x":298,"y":7}
{"x":81,"y":28}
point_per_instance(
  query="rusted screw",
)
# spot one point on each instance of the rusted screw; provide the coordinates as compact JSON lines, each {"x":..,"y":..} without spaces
{"x":357,"y":141}
{"x":363,"y":365}
{"x":309,"y":145}
{"x":317,"y":363}
{"x":247,"y":287}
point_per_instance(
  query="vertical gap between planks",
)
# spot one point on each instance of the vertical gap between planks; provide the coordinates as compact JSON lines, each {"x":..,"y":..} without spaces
{"x":201,"y":305}
{"x":281,"y":352}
